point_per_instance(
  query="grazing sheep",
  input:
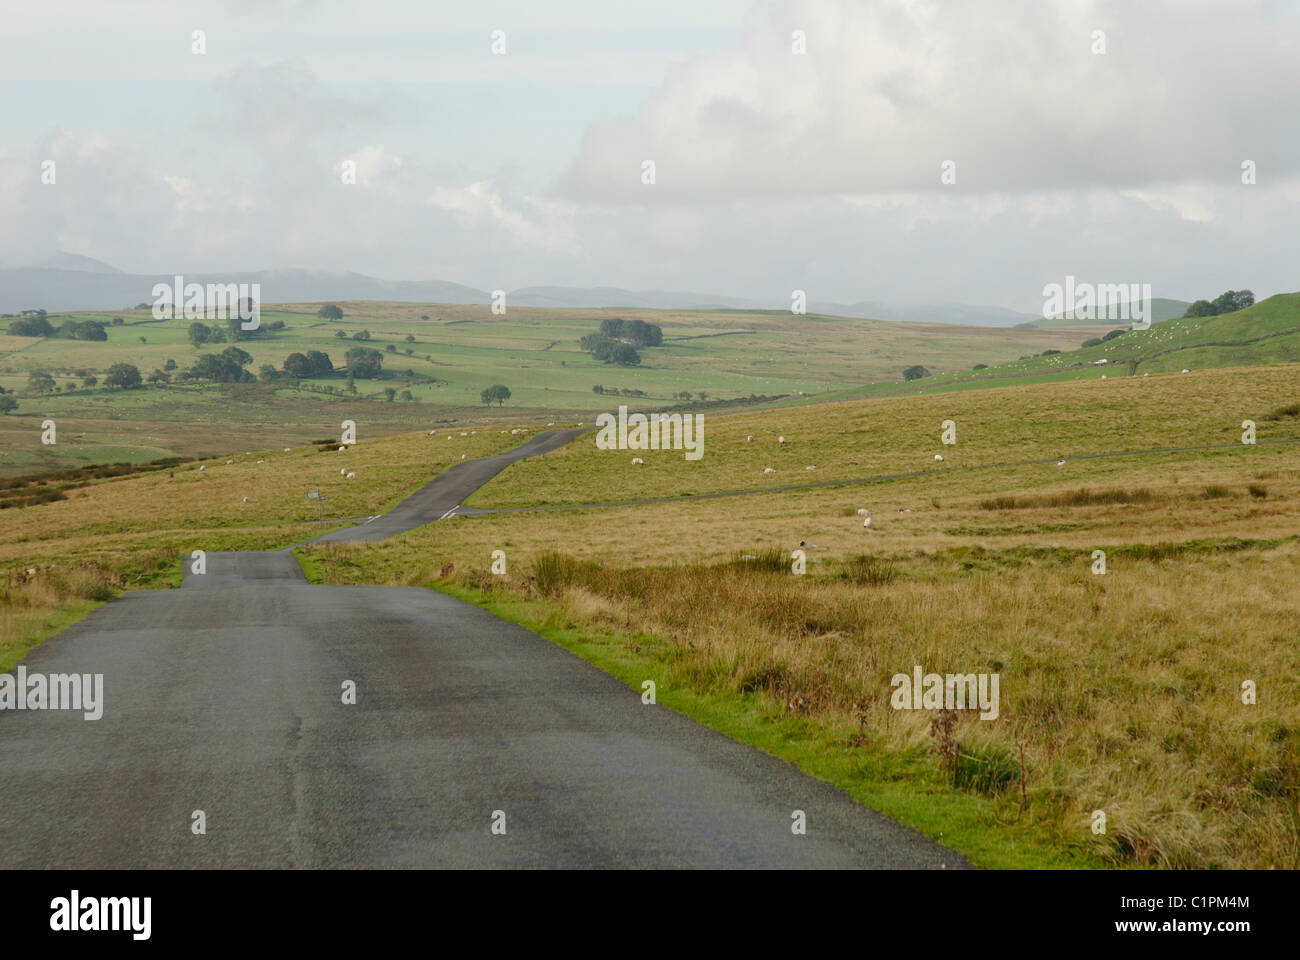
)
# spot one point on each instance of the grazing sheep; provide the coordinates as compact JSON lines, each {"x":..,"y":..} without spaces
{"x":637,"y":461}
{"x":863,"y":512}
{"x":780,"y":440}
{"x":1060,"y":463}
{"x":352,"y":476}
{"x":246,"y":499}
{"x":750,"y":438}
{"x":228,"y":462}
{"x":201,"y":469}
{"x":464,"y":434}
{"x":287,"y":449}
{"x":514,"y":432}
{"x":904,"y":510}
{"x":261,"y":461}
{"x":343,"y":471}
{"x":938,"y":456}
{"x":1185,"y":370}
{"x":462,"y":456}
{"x":434,"y":432}
{"x":867,"y":524}
{"x":768,"y":470}
{"x":343,"y":449}
{"x":810,"y":468}
{"x":1103,"y":376}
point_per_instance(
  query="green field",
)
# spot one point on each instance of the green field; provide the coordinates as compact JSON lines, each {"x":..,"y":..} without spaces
{"x":454,"y":355}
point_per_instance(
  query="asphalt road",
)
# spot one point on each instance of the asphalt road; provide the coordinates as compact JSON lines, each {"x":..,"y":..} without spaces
{"x":446,"y":491}
{"x":226,"y":696}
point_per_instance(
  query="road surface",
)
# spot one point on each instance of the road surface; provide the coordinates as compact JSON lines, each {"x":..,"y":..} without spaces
{"x":227,"y":697}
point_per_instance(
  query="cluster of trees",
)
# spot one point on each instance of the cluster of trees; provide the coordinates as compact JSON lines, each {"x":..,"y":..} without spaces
{"x":617,"y":340}
{"x":915,"y":373}
{"x":38,"y":326}
{"x":224,"y":367}
{"x":498,"y":393}
{"x":615,"y":391}
{"x":330,"y":311}
{"x":1227,"y":302}
{"x":313,"y":363}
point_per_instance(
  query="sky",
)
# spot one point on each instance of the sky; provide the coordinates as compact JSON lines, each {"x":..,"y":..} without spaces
{"x":775,"y":168}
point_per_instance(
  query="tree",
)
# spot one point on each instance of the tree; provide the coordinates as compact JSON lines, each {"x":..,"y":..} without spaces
{"x":361,"y":335}
{"x":330,"y":312}
{"x":8,"y":404}
{"x":40,"y":381}
{"x":170,"y":365}
{"x":31,"y":327}
{"x":498,"y":393}
{"x":1111,"y":335}
{"x":915,"y":372}
{"x":1091,"y":342}
{"x":410,"y":338}
{"x":625,"y":355}
{"x":123,"y":375}
{"x":225,"y":367}
{"x":118,"y":321}
{"x":318,"y":364}
{"x":90,"y":381}
{"x":390,"y":349}
{"x":199,"y":334}
{"x":405,"y":395}
{"x":295,"y":365}
{"x":341,"y":334}
{"x":389,"y":393}
{"x":364,"y":362}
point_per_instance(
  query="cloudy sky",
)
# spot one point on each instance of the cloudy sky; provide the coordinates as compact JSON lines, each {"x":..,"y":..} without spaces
{"x":774,"y":170}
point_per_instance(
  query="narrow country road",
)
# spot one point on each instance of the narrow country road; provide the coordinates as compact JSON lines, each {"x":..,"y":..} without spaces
{"x":226,"y":697}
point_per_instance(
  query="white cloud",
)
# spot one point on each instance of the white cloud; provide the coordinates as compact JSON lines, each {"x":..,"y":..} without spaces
{"x":890,"y":89}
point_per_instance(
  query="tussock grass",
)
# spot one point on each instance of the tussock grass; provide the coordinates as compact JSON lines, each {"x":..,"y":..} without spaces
{"x":1075,"y":498}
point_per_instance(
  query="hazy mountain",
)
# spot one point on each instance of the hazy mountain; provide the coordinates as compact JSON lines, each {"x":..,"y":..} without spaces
{"x":939,"y":312}
{"x":71,"y":282}
{"x":1162,"y":309}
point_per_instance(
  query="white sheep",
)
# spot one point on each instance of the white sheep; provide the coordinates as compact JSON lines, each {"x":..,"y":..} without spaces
{"x":637,"y":462}
{"x":261,"y":461}
{"x":863,"y":512}
{"x":229,"y":462}
{"x":343,"y":449}
{"x":287,"y":449}
{"x":867,"y":524}
{"x":464,"y":434}
{"x":780,"y":440}
{"x":462,"y":456}
{"x":352,"y":476}
{"x":938,"y":456}
{"x":1185,"y":370}
{"x":750,"y":438}
{"x":246,"y":499}
{"x":343,"y":471}
{"x":201,"y":469}
{"x":810,"y":468}
{"x":768,"y":470}
{"x":1060,"y":463}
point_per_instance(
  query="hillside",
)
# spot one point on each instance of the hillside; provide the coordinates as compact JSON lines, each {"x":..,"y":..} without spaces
{"x":1162,"y":309}
{"x":1266,"y":333}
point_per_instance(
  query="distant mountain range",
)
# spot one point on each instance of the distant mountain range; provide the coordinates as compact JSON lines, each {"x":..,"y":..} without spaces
{"x":72,"y":282}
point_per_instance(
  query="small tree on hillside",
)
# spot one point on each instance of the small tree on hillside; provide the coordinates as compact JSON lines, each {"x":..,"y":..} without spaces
{"x":330,"y":312}
{"x":125,"y":376}
{"x":498,"y":393}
